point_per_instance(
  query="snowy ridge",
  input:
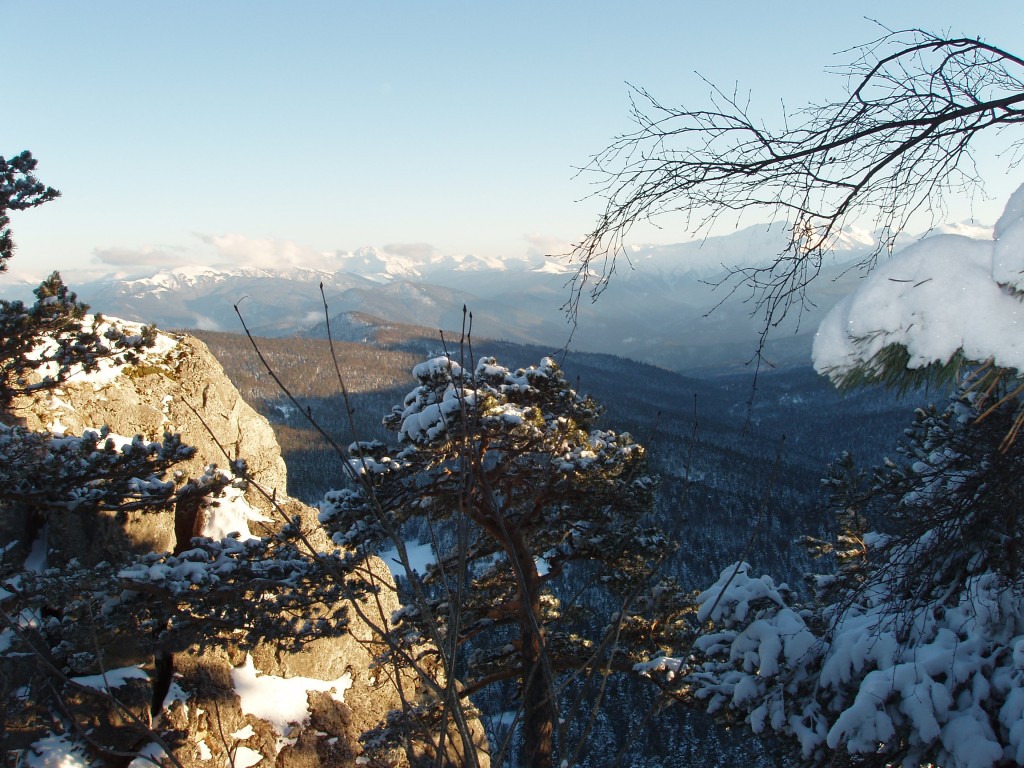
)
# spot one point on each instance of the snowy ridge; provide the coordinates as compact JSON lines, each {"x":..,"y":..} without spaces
{"x":656,"y":309}
{"x":752,"y":245}
{"x":187,"y":276}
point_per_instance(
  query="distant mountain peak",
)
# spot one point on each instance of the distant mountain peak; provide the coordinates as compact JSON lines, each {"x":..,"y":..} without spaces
{"x":656,"y":311}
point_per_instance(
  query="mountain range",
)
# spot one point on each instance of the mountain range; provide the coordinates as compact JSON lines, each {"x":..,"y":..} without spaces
{"x":661,"y":306}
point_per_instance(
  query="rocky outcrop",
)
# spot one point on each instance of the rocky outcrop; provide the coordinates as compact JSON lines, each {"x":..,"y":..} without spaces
{"x":180,"y":388}
{"x":214,"y":704}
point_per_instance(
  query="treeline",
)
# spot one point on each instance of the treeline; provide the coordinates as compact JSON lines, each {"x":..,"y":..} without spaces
{"x":374,"y":378}
{"x":730,"y":469}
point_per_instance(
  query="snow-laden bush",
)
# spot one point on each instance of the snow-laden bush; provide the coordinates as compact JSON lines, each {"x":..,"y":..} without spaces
{"x":519,"y":489}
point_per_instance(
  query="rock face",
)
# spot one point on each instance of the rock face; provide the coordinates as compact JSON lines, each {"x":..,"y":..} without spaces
{"x":217,"y":705}
{"x":182,"y":390}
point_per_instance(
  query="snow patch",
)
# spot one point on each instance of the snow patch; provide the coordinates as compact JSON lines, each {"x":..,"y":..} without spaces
{"x":57,"y":751}
{"x":420,"y":556}
{"x":150,"y":756}
{"x":281,"y":701}
{"x":107,"y":369}
{"x":113,"y":678}
{"x":244,"y":757}
{"x":229,"y":514}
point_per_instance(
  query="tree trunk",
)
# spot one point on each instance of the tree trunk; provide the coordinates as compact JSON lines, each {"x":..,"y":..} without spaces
{"x":538,"y":687}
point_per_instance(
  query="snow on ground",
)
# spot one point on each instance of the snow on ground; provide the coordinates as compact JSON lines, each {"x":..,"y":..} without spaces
{"x":244,"y":757}
{"x":244,"y":733}
{"x":175,"y":693}
{"x":108,"y":370}
{"x":942,"y":295}
{"x":420,"y":556}
{"x":56,"y":751}
{"x":230,"y":513}
{"x":150,"y":756}
{"x":36,"y":562}
{"x":281,"y":701}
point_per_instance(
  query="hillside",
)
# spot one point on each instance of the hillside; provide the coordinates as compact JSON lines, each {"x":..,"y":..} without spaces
{"x":715,"y":453}
{"x":92,"y":659}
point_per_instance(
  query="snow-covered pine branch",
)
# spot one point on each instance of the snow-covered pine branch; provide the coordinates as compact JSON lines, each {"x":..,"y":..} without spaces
{"x":917,"y":657}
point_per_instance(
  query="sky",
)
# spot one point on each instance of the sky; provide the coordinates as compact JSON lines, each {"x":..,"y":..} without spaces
{"x":269,"y":134}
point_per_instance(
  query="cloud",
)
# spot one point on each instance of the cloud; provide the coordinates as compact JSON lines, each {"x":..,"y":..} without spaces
{"x":274,"y":253}
{"x":418,"y":251}
{"x":226,"y":250}
{"x":266,"y":252}
{"x":204,"y":323}
{"x":542,"y":248}
{"x":158,"y":256}
{"x":232,"y":249}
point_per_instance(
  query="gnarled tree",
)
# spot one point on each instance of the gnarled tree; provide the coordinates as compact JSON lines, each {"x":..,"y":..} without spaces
{"x":518,"y":486}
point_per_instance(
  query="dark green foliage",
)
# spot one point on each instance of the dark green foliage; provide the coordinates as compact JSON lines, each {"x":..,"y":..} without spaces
{"x":710,"y":497}
{"x":913,"y":632}
{"x":58,"y":612}
{"x":956,"y":508}
{"x":85,"y":474}
{"x":253,"y":589}
{"x":42,"y":345}
{"x":19,"y":190}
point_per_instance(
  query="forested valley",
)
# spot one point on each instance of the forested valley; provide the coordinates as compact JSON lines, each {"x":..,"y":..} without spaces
{"x":740,"y":464}
{"x":489,"y":553}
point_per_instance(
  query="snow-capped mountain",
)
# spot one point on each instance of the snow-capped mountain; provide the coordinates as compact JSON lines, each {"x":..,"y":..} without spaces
{"x":656,"y":308}
{"x":275,"y":301}
{"x":752,"y":246}
{"x":412,"y":263}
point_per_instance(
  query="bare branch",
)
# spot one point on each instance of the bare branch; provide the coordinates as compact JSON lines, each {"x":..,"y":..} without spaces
{"x":898,"y":145}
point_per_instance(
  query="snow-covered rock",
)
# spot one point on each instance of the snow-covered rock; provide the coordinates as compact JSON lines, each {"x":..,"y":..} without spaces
{"x":281,"y":707}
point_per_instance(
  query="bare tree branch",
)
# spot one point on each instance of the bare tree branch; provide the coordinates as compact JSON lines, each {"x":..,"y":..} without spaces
{"x":898,"y":145}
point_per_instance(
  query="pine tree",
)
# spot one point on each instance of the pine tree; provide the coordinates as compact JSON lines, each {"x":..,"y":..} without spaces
{"x":910,"y":651}
{"x":19,"y":190}
{"x":509,"y":474}
{"x":40,"y":347}
{"x":54,"y":619}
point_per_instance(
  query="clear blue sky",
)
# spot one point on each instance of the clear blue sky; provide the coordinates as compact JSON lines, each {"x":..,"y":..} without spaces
{"x":304,"y":127}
